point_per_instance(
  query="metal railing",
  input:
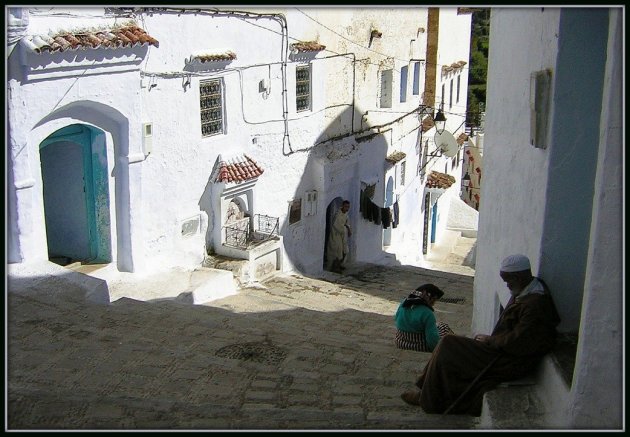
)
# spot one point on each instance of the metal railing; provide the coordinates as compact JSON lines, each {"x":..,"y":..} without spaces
{"x":240,"y":234}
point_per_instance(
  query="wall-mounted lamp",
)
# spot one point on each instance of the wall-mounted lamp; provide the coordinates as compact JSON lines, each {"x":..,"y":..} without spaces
{"x":466,"y":180}
{"x":439,"y":119}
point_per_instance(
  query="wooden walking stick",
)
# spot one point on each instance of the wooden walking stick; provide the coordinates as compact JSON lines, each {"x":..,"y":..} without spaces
{"x":471,"y":385}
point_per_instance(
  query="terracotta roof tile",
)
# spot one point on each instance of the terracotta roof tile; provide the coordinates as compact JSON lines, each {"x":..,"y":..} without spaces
{"x":462,"y":138}
{"x":395,"y":157}
{"x":226,"y":55}
{"x":439,"y":180}
{"x":454,"y":66}
{"x":236,"y":169}
{"x":307,"y":46}
{"x":126,"y":36}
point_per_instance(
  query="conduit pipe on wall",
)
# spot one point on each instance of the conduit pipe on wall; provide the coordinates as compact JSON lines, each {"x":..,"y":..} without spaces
{"x":277,"y":17}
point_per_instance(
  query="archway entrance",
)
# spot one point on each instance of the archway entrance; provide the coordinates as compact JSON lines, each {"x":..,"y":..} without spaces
{"x":76,"y":195}
{"x":333,"y":207}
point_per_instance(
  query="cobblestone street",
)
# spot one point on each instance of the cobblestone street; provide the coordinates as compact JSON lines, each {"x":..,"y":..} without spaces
{"x":290,"y":353}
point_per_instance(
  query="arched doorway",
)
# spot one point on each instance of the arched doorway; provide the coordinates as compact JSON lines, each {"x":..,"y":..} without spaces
{"x":333,"y":207}
{"x":76,"y":195}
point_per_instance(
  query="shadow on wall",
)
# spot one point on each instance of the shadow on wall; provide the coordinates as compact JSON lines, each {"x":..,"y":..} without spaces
{"x":337,"y":164}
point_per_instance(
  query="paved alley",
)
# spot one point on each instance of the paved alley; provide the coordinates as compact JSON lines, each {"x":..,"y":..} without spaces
{"x":291,"y":353}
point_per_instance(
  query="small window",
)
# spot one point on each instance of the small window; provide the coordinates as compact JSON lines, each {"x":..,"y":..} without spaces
{"x":442,"y":106}
{"x":458,"y":88}
{"x":386,"y":88}
{"x":404,"y":72}
{"x":211,"y":105}
{"x":295,"y":211}
{"x":303,"y":88}
{"x":450,"y":96}
{"x":416,"y":78}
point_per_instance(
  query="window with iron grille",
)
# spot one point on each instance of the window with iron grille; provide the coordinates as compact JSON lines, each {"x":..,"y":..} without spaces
{"x":211,"y":106}
{"x":303,"y":87}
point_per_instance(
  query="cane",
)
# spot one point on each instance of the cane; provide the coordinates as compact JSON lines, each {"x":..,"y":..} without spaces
{"x":471,"y":385}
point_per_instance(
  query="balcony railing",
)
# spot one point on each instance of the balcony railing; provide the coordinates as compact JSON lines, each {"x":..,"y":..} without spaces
{"x":240,"y":234}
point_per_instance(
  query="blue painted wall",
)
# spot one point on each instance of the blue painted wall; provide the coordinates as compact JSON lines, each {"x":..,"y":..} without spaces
{"x":574,"y":143}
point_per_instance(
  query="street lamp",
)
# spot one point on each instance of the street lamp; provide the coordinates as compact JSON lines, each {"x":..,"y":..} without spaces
{"x":466,"y":180}
{"x":439,"y":119}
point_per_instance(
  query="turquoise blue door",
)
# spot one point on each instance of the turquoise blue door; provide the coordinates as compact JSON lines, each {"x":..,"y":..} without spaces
{"x":433,"y":222}
{"x":76,"y":195}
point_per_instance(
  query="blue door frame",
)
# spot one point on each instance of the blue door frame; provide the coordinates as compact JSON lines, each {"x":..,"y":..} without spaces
{"x":95,"y":185}
{"x":433,"y":221}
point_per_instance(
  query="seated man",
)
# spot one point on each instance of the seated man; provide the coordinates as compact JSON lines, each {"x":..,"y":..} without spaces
{"x":416,"y":327}
{"x":524,"y":333}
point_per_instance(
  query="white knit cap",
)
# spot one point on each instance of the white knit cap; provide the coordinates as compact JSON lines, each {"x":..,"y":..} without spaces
{"x":515,"y":263}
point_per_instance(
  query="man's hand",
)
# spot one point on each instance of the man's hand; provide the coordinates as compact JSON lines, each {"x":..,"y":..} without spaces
{"x":482,"y":338}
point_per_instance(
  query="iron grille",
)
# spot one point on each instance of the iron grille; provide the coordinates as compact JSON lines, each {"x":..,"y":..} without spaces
{"x":302,"y":88}
{"x":239,"y":234}
{"x":210,"y":94}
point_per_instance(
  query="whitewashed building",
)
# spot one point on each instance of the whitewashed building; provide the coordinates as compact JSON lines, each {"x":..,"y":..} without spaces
{"x":552,"y":190}
{"x":151,"y":137}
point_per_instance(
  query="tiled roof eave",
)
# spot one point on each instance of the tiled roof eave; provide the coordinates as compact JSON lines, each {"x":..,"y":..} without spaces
{"x":119,"y":38}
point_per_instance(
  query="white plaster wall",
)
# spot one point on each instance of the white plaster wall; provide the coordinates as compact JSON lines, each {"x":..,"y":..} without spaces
{"x":514,"y":183}
{"x":461,"y":217}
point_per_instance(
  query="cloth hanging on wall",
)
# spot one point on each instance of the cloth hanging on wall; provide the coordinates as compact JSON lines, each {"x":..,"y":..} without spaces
{"x":395,"y":215}
{"x":386,"y":215}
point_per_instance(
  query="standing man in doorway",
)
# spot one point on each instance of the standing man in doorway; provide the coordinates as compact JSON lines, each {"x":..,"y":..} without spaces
{"x":340,"y":231}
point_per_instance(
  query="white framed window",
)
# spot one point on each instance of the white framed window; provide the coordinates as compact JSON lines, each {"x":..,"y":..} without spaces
{"x":416,"y":78}
{"x":303,"y":87}
{"x":386,"y":88}
{"x":404,"y":72}
{"x":211,"y":107}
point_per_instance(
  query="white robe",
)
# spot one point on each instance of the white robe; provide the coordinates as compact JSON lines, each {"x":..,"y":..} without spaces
{"x":338,"y":238}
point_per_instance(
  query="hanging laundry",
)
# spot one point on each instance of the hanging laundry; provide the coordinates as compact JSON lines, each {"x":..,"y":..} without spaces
{"x":396,"y":213}
{"x":364,"y":205}
{"x":377,"y":214}
{"x":386,"y":215}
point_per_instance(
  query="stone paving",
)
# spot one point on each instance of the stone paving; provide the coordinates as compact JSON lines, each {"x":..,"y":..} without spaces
{"x":291,"y":353}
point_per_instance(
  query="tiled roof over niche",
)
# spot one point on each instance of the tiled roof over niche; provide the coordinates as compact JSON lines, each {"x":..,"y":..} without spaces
{"x":109,"y":38}
{"x":439,"y":180}
{"x":235,"y":169}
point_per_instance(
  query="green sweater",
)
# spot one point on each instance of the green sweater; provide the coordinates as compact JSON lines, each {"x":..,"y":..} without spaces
{"x":418,"y":319}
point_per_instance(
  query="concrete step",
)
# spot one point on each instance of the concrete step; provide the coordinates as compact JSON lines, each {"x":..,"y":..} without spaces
{"x":512,"y":407}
